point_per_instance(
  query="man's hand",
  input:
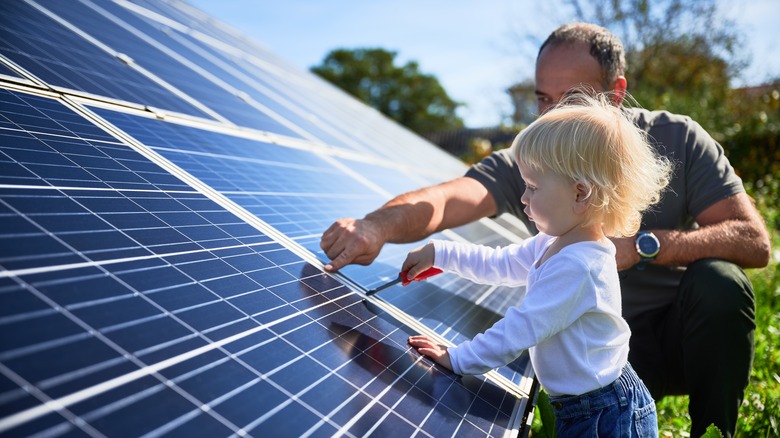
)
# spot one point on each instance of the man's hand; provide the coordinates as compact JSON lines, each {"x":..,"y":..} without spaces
{"x":350,"y":241}
{"x":429,"y":347}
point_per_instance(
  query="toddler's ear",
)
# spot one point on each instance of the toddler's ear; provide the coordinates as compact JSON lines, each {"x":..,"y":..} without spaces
{"x":584,"y":190}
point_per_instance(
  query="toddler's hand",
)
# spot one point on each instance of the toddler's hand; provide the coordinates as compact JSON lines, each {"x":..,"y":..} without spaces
{"x":418,"y":260}
{"x":427,"y":346}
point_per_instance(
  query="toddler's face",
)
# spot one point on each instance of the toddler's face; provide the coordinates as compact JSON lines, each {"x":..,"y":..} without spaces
{"x":549,"y":201}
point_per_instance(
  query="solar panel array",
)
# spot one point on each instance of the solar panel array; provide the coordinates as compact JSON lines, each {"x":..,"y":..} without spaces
{"x":164,"y":183}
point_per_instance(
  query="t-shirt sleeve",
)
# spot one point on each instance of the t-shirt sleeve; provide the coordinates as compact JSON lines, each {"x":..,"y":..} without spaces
{"x":500,"y":175}
{"x":702,"y":173}
{"x":710,"y":176}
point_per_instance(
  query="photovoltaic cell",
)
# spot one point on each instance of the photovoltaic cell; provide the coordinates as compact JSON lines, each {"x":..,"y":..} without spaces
{"x":173,"y":65}
{"x":135,"y":303}
{"x":239,"y":165}
{"x":329,"y":114}
{"x":61,"y":58}
{"x":325,"y":123}
{"x":299,"y":192}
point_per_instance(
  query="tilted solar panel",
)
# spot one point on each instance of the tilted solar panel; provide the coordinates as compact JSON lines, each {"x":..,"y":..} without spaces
{"x":163,"y":187}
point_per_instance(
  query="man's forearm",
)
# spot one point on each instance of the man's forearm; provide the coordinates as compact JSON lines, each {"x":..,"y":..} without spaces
{"x":416,"y":215}
{"x":406,"y":218}
{"x":736,"y":241}
{"x":401,"y":220}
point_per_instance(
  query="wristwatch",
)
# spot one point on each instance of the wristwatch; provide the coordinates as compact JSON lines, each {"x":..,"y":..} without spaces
{"x":647,"y":246}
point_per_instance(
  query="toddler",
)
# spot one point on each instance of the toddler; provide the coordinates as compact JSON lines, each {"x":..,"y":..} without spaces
{"x":589,"y":174}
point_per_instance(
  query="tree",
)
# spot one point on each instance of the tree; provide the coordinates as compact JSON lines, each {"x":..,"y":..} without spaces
{"x":406,"y":95}
{"x":681,"y":54}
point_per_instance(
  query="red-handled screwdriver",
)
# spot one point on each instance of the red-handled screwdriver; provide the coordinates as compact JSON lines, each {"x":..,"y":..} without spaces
{"x":430,"y":272}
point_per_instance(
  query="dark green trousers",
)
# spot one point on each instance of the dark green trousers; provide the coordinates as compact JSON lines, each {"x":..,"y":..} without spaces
{"x":702,"y":345}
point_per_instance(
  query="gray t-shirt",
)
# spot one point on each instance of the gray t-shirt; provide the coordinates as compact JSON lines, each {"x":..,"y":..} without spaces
{"x":702,"y":176}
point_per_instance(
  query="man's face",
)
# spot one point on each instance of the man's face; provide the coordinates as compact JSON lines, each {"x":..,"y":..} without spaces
{"x":561,"y":68}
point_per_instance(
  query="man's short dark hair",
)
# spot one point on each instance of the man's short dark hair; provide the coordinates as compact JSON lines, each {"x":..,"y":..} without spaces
{"x":604,"y":46}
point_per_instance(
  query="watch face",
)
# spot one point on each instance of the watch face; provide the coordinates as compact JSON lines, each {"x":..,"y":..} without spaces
{"x":647,"y":246}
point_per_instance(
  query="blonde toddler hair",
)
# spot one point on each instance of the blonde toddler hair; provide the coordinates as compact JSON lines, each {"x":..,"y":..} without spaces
{"x":590,"y":140}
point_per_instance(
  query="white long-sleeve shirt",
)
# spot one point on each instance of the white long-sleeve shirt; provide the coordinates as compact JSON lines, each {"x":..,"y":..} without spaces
{"x":569,"y":317}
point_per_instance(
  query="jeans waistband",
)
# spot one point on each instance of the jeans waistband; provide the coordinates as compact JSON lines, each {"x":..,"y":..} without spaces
{"x":614,"y":393}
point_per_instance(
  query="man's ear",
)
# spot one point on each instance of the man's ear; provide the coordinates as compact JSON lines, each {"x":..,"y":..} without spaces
{"x":619,"y":90}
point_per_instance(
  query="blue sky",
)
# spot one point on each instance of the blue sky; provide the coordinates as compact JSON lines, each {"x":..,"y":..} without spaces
{"x":474,"y":48}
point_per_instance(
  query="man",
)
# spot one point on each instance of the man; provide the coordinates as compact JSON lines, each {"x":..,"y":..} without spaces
{"x":685,"y":296}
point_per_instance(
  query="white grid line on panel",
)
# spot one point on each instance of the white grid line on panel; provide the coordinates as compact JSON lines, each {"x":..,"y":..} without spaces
{"x":206,"y":74}
{"x":137,"y":67}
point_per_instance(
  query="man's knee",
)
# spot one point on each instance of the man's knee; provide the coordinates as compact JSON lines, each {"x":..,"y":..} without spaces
{"x":718,"y":289}
{"x":718,"y":321}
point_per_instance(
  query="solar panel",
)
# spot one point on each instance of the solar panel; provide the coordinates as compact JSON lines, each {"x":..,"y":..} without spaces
{"x":61,"y":58}
{"x":285,"y":188}
{"x":160,"y":269}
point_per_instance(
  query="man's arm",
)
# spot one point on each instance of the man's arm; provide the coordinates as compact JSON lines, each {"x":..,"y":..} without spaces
{"x":731,"y":229}
{"x":406,"y":218}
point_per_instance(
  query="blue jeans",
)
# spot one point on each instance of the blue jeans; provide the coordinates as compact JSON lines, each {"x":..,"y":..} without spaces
{"x":624,"y":408}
